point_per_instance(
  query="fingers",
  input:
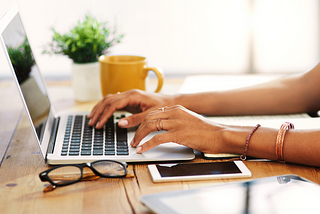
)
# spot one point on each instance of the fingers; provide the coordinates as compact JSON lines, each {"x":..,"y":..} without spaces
{"x":132,"y":120}
{"x":102,"y":108}
{"x":150,"y":126}
{"x":106,"y":107}
{"x":134,"y":101}
{"x":170,"y":119}
{"x":153,"y":142}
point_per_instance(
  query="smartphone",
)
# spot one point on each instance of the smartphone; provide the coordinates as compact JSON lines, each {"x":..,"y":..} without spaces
{"x":198,"y":171}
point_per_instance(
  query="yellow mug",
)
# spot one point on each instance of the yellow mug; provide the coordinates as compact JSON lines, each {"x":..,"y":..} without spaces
{"x":125,"y":72}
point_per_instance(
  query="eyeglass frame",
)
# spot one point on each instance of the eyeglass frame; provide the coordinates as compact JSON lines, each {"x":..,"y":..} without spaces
{"x":44,"y":175}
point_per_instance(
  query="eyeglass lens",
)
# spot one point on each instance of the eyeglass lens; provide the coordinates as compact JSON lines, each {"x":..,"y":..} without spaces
{"x":69,"y":174}
{"x":109,"y":168}
{"x":65,"y":175}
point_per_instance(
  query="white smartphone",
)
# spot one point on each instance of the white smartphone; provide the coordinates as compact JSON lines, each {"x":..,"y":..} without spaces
{"x":197,"y":171}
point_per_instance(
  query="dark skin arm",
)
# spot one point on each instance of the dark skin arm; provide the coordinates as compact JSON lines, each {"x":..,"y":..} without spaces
{"x":291,"y":94}
{"x":184,"y":127}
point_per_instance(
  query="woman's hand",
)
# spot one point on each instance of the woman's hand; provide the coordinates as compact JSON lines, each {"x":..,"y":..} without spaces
{"x":183,"y":127}
{"x":134,"y":101}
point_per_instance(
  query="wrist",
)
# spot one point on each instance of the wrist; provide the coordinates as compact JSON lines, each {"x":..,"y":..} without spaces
{"x":189,"y":101}
{"x":262,"y":142}
{"x":234,"y":139}
{"x":180,"y":99}
{"x":206,"y":103}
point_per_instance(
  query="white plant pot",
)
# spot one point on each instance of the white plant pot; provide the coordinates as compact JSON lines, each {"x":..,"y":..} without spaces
{"x":86,"y":81}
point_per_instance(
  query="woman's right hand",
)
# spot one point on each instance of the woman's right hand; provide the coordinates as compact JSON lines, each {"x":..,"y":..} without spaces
{"x":134,"y":101}
{"x":183,"y":127}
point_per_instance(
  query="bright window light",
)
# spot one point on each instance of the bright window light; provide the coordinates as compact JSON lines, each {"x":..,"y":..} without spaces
{"x":286,"y":35}
{"x":188,"y":36}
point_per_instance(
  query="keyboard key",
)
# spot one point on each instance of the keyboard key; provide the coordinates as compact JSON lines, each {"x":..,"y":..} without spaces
{"x":122,"y":150}
{"x":122,"y":143}
{"x":121,"y":134}
{"x":97,"y":152}
{"x":86,"y":152}
{"x":109,"y":142}
{"x":122,"y":147}
{"x":109,"y":153}
{"x":98,"y":147}
{"x":98,"y":141}
{"x":81,"y":139}
{"x":122,"y":153}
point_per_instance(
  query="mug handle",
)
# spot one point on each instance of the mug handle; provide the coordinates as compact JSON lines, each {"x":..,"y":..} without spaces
{"x":159,"y":73}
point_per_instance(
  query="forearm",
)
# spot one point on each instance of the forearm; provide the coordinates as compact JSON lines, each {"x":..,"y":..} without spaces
{"x":292,"y":94}
{"x":300,"y":146}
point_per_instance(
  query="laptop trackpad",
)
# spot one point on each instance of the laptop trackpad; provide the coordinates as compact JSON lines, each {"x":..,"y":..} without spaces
{"x":170,"y":150}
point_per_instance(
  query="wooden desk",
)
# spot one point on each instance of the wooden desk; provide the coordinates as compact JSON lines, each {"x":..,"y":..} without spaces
{"x":21,"y":190}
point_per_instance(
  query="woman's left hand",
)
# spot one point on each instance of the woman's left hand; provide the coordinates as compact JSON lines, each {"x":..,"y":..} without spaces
{"x":183,"y":127}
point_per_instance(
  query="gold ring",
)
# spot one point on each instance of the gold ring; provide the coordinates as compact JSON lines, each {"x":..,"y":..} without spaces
{"x":163,"y":108}
{"x":160,"y":125}
{"x":157,"y":124}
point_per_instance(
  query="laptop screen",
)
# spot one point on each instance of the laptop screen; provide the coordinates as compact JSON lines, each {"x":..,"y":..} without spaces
{"x":26,"y":73}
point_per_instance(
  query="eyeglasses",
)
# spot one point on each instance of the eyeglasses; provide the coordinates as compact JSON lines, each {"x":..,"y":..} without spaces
{"x":71,"y":173}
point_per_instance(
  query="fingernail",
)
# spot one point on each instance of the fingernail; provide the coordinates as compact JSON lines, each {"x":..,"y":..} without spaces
{"x":138,"y":149}
{"x":132,"y":142}
{"x":123,"y":122}
{"x":97,"y":124}
{"x":90,"y":121}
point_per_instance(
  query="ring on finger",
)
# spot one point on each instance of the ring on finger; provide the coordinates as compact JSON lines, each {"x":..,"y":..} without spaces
{"x":159,"y":125}
{"x":163,"y":108}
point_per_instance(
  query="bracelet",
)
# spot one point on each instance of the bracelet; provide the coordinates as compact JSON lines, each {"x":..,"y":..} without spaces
{"x":280,"y":138}
{"x":244,"y":156}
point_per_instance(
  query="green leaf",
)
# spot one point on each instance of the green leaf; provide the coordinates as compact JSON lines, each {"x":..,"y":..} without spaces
{"x":85,"y":42}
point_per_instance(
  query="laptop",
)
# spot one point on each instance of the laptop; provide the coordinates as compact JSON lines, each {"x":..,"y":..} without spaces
{"x":65,"y":137}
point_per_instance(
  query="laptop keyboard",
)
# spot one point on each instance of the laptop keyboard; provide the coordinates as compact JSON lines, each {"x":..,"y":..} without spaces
{"x":82,"y":139}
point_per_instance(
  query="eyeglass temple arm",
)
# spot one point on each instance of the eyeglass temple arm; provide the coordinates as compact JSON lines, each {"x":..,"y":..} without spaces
{"x":86,"y":176}
{"x":53,"y":187}
{"x":69,"y":177}
{"x":91,"y":178}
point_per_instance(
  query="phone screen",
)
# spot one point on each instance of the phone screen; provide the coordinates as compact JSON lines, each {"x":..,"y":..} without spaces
{"x":175,"y":170}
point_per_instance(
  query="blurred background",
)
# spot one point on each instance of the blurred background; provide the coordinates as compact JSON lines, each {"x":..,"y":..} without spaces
{"x":184,"y":37}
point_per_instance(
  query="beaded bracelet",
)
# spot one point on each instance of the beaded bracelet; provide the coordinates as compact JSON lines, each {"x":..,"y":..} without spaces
{"x":280,"y":138}
{"x":244,"y":155}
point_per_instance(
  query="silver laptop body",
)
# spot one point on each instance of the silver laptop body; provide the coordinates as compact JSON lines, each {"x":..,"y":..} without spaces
{"x":50,"y":127}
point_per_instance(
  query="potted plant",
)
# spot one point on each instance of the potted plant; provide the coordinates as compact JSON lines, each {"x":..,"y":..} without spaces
{"x":84,"y":44}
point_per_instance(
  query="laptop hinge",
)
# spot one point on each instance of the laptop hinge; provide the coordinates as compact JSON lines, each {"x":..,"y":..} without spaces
{"x":53,"y":136}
